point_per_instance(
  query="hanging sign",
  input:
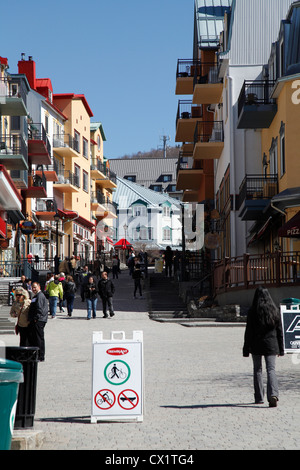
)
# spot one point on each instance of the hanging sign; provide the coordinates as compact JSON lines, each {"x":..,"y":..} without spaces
{"x":117,"y":377}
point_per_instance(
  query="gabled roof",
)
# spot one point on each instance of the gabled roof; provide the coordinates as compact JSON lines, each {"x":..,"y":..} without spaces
{"x":94,"y":126}
{"x":73,"y":96}
{"x":127,"y":193}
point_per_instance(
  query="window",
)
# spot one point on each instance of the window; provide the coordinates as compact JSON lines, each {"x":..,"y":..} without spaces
{"x":130,"y":178}
{"x":99,"y":143}
{"x":166,"y":178}
{"x":77,"y":176}
{"x":85,"y":146}
{"x":76,"y":141}
{"x":138,"y":211}
{"x":273,"y":157}
{"x":282,"y":149}
{"x":85,"y":181}
{"x":156,"y":187}
{"x":166,"y":211}
{"x":167,"y":234}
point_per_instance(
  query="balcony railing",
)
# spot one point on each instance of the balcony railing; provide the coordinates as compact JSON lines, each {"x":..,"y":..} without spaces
{"x":98,"y":165}
{"x":186,"y":110}
{"x":209,"y":131}
{"x":187,"y":67}
{"x":249,"y":271}
{"x":12,"y":88}
{"x":65,"y":140}
{"x":257,"y":187}
{"x":255,"y":93}
{"x":98,"y":197}
{"x":46,"y":205}
{"x":37,"y":179}
{"x":13,"y":144}
{"x":67,"y":177}
{"x":206,"y":73}
{"x":38,"y":132}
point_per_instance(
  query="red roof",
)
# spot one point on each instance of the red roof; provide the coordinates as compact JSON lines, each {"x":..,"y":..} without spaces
{"x":3,"y":61}
{"x":73,"y":96}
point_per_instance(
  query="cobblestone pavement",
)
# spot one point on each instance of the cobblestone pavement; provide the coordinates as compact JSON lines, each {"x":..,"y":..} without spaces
{"x":198,"y":387}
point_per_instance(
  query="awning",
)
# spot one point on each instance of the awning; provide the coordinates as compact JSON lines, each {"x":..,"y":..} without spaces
{"x":123,"y":243}
{"x":109,"y":240}
{"x":291,"y":229}
{"x":86,"y":223}
{"x":67,"y":215}
{"x":287,"y":198}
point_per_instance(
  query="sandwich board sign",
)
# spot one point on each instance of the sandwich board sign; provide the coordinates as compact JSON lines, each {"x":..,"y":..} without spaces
{"x":290,"y":317}
{"x":117,"y":377}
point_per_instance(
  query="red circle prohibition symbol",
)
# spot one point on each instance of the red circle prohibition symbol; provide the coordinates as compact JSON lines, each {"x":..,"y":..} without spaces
{"x":128,"y":397}
{"x":105,"y":399}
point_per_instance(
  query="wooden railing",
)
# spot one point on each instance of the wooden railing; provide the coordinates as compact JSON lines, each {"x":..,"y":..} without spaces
{"x":249,"y":271}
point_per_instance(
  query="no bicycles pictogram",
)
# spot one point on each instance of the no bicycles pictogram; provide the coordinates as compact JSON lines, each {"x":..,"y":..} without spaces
{"x":105,"y":399}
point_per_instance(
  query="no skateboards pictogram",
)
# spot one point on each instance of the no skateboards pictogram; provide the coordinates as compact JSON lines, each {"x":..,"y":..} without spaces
{"x":128,"y":399}
{"x":105,"y":399}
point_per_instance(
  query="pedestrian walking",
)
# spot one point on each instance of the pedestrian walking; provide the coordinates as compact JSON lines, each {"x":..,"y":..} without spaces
{"x":37,"y":317}
{"x":264,"y":337}
{"x":19,"y":310}
{"x":69,"y":294}
{"x":55,"y":292}
{"x":168,"y":261}
{"x":115,"y":267}
{"x":83,"y":280}
{"x":106,"y":290}
{"x":61,"y":302}
{"x":137,"y":277}
{"x":91,"y":293}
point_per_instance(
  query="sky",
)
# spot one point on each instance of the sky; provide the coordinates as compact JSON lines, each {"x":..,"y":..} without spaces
{"x":122,"y":55}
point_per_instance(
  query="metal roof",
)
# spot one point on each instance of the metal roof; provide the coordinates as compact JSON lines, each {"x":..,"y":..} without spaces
{"x":127,"y":193}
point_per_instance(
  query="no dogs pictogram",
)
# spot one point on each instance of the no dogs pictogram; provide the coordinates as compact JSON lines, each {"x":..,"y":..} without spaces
{"x":128,"y":399}
{"x":105,"y":399}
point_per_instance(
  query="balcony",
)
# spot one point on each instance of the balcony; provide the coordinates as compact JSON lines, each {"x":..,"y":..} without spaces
{"x":188,"y":178}
{"x":10,"y":198}
{"x":39,"y":149}
{"x":67,"y":182}
{"x":208,"y":87}
{"x":37,"y":186}
{"x":66,"y":146}
{"x":98,"y":169}
{"x":186,"y":120}
{"x":97,"y":199}
{"x":13,"y":152}
{"x":256,"y":110}
{"x":109,"y":180}
{"x":186,"y":69}
{"x":208,"y":140}
{"x":12,"y":97}
{"x":255,"y":194}
{"x":50,"y":171}
{"x":46,"y":209}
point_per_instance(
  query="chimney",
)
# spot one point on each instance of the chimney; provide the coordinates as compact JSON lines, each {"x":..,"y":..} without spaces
{"x":27,"y":67}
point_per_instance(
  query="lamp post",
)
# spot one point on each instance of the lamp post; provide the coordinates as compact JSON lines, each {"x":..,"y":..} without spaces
{"x":56,"y":257}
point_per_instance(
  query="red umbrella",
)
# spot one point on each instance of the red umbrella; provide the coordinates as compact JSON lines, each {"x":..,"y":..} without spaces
{"x":123,"y":243}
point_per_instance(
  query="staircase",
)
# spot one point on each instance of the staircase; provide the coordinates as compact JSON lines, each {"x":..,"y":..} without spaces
{"x":164,"y":301}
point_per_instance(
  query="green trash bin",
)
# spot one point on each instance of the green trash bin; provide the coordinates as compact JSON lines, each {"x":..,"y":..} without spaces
{"x":11,"y":375}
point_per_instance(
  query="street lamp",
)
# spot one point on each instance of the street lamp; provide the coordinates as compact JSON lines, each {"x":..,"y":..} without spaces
{"x":56,"y":257}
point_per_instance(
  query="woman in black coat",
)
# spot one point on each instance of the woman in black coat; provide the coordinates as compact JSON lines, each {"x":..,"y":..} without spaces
{"x":264,"y":337}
